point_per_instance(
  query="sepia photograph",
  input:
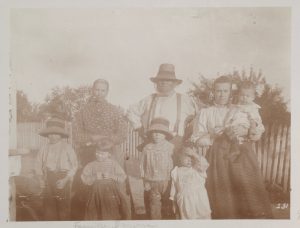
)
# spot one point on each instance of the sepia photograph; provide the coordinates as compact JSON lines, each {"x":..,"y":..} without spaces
{"x":166,"y":113}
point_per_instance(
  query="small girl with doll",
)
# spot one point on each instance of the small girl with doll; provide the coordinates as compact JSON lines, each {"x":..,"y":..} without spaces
{"x":105,"y":176}
{"x":188,"y":191}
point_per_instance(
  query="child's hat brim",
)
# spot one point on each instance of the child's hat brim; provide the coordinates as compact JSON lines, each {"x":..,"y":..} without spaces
{"x":54,"y":130}
{"x":168,"y":135}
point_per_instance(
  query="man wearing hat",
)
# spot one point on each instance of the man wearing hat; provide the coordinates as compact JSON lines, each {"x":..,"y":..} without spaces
{"x":56,"y":165}
{"x":166,"y":103}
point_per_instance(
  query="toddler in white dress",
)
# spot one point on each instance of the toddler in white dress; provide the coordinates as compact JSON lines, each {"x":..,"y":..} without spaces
{"x":188,"y":191}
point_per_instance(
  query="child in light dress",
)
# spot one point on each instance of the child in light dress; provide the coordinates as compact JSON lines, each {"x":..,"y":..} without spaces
{"x":246,"y":113}
{"x":188,"y":191}
{"x":105,"y":176}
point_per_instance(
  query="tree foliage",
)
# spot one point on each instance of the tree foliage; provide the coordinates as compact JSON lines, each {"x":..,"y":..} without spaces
{"x":26,"y":111}
{"x":65,"y":101}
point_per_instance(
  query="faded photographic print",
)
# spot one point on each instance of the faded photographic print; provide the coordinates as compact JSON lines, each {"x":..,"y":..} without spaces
{"x":150,"y":113}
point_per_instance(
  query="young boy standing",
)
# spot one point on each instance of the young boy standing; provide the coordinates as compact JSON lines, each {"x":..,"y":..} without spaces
{"x":56,"y":165}
{"x":156,"y":165}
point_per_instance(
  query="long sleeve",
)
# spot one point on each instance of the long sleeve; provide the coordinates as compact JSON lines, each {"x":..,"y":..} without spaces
{"x":173,"y":187}
{"x":88,"y":177}
{"x":135,"y":112}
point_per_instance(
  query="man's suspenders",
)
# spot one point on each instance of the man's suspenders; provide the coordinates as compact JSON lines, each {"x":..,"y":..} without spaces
{"x":152,"y":111}
{"x":178,"y":117}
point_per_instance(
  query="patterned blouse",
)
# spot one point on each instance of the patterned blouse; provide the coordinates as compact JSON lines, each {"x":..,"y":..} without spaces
{"x":99,"y":118}
{"x":156,"y":161}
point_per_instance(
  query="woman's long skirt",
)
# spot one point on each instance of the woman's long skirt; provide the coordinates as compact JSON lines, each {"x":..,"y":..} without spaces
{"x":234,"y":184}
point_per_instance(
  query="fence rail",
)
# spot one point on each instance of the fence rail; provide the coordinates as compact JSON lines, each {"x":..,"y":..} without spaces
{"x":272,"y":150}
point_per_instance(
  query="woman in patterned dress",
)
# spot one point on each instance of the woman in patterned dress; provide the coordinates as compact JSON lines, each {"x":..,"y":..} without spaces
{"x":98,"y":119}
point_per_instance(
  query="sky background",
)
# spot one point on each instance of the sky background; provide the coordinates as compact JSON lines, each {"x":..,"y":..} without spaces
{"x":59,"y":47}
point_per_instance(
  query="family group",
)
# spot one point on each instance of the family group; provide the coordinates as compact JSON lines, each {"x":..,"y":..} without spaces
{"x":88,"y":181}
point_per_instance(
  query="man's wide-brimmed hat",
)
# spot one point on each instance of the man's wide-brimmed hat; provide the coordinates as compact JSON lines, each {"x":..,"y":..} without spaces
{"x":166,"y":72}
{"x":55,"y":125}
{"x":160,"y":125}
{"x":105,"y":144}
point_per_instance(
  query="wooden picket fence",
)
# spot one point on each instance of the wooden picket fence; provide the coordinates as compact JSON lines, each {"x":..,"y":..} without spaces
{"x":273,"y":150}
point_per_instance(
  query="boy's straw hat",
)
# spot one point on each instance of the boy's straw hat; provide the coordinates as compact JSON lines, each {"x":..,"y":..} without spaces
{"x":54,"y":125}
{"x":160,"y":125}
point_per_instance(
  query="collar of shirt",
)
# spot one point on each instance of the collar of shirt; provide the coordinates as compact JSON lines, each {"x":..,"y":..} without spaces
{"x":222,"y":106}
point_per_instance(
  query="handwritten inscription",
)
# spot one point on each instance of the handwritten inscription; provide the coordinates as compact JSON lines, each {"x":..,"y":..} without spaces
{"x":116,"y":224}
